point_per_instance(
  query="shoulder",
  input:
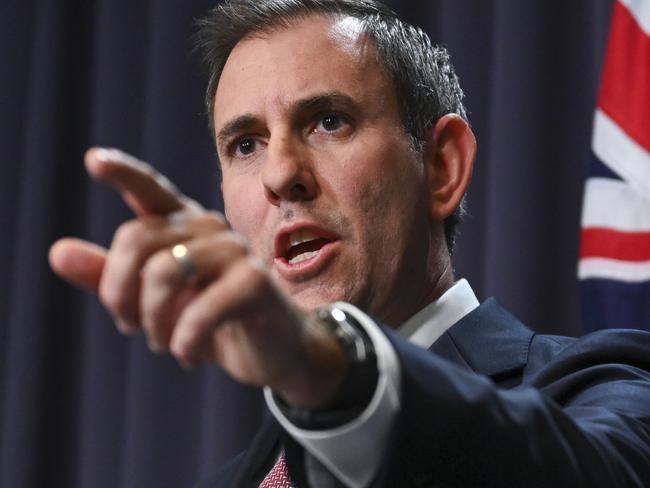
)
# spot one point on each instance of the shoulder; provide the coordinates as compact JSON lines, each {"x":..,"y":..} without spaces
{"x":610,"y":366}
{"x":608,"y":345}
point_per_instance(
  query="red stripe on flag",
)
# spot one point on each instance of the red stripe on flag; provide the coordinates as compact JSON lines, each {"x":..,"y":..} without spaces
{"x":607,"y":243}
{"x":625,"y":88}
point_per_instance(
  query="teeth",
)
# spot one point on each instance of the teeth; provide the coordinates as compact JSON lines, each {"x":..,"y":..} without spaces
{"x":302,"y":257}
{"x":300,"y":236}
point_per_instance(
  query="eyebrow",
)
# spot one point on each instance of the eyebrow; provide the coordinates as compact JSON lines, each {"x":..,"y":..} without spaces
{"x":236,"y":125}
{"x":322,"y":101}
{"x":329,"y":100}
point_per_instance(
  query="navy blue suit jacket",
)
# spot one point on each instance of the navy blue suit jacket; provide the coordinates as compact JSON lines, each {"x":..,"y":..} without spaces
{"x":494,"y":404}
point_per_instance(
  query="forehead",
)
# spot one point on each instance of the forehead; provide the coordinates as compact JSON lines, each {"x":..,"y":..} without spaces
{"x":317,"y":54}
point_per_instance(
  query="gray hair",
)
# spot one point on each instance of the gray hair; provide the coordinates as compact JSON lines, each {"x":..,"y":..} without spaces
{"x":425,"y":82}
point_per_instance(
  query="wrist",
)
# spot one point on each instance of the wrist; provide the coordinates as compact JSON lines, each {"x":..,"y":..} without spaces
{"x":316,"y":378}
{"x":339,"y":365}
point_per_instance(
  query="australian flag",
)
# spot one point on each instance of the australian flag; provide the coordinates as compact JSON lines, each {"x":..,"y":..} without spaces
{"x":614,"y":265}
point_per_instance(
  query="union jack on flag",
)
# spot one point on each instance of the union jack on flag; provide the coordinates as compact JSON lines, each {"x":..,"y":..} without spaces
{"x":614,"y":265}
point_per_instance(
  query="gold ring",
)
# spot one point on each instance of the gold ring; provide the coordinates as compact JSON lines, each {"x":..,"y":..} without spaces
{"x":182,"y":256}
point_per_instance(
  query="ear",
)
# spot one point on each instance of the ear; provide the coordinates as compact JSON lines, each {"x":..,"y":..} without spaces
{"x":449,"y":152}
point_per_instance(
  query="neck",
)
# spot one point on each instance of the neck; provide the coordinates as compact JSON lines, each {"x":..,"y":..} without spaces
{"x":438,"y":278}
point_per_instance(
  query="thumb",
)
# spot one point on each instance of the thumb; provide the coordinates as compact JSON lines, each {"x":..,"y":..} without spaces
{"x":79,"y":262}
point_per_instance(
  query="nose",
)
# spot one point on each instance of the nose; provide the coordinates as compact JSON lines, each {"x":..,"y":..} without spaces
{"x":287,"y":173}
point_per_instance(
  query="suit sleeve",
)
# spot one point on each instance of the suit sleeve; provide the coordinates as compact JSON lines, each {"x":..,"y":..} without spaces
{"x":582,"y":419}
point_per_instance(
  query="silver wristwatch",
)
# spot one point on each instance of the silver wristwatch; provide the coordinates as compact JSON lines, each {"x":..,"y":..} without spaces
{"x":346,"y":329}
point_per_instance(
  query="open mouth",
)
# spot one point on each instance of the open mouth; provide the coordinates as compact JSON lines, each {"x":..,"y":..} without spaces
{"x":302,"y":244}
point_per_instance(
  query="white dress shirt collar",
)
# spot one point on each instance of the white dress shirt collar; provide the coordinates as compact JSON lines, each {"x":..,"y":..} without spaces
{"x":427,"y":325}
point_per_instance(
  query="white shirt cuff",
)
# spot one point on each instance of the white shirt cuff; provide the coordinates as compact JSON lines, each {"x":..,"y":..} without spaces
{"x":353,"y":452}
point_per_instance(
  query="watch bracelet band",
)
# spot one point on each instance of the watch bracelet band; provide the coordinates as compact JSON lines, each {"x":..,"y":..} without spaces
{"x":359,"y":385}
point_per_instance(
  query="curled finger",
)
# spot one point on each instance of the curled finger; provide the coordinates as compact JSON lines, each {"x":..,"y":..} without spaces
{"x":173,"y":277}
{"x":243,"y":284}
{"x":133,"y":244}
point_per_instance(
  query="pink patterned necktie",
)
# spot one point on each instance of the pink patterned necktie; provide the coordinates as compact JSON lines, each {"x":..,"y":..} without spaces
{"x":278,"y":477}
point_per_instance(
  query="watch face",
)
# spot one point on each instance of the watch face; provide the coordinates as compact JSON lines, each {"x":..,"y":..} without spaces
{"x":347,"y":331}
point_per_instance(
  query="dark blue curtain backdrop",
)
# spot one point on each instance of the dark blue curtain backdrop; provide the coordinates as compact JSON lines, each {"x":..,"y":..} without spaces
{"x":82,"y":406}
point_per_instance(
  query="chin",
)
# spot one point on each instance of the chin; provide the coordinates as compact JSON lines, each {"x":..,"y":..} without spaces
{"x":311,"y":298}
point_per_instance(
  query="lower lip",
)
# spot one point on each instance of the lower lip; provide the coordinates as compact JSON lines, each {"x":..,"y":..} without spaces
{"x":308,"y":268}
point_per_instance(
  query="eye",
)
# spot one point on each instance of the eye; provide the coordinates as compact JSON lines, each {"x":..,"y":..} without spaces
{"x":331,"y":123}
{"x":245,"y":146}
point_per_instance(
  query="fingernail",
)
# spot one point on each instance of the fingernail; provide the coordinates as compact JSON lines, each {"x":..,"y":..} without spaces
{"x":105,"y":154}
{"x":187,"y":365}
{"x":102,"y":154}
{"x":155,"y":346}
{"x":124,"y":328}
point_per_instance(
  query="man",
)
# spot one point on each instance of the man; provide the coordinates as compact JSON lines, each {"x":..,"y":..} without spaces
{"x":345,"y":157}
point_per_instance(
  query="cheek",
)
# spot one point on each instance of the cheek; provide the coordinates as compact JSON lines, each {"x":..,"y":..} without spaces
{"x":390,"y":204}
{"x":244,"y":212}
{"x":385,"y":185}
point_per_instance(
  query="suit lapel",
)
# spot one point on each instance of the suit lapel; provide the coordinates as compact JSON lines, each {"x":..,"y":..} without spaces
{"x":260,"y":454}
{"x":488,"y":340}
{"x":447,"y":348}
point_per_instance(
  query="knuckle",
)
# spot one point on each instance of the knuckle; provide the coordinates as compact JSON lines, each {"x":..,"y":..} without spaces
{"x":190,"y":204}
{"x":216,"y":219}
{"x":113,"y":299}
{"x":161,"y":180}
{"x":206,"y":222}
{"x":233,"y":244}
{"x":139,"y":237}
{"x":130,"y":235}
{"x":157,"y":269}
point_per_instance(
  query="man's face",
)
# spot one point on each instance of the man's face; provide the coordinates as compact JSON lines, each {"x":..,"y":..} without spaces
{"x":318,"y":172}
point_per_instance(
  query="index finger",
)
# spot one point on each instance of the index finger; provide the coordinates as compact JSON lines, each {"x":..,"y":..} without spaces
{"x":143,"y":188}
